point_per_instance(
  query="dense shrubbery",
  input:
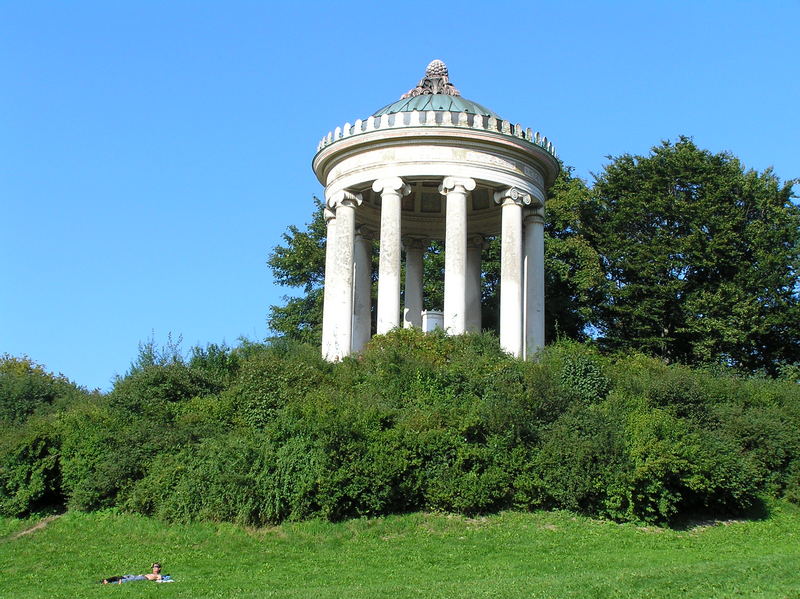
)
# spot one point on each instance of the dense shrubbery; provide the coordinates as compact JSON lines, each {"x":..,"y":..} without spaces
{"x":27,"y":388}
{"x":266,"y":433}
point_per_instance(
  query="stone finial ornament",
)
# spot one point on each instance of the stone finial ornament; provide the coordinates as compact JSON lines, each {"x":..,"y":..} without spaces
{"x":435,"y":81}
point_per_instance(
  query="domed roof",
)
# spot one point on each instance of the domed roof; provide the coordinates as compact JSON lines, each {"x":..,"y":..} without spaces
{"x":435,"y":92}
{"x":436,"y":102}
{"x":434,"y":108}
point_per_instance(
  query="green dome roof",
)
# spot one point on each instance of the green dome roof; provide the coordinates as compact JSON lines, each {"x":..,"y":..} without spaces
{"x":436,"y":102}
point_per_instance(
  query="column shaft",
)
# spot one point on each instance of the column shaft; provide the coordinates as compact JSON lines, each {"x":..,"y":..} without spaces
{"x":511,"y":279}
{"x":338,"y":295}
{"x":330,"y":281}
{"x":342,"y":300}
{"x":412,"y":314}
{"x":534,"y":284}
{"x":455,"y":256}
{"x":473,"y":283}
{"x":362,"y":291}
{"x":391,"y":190}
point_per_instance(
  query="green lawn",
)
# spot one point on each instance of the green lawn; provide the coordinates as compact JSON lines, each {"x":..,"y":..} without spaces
{"x":542,"y":555}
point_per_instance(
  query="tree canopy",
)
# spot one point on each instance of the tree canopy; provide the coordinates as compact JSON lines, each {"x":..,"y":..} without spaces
{"x":300,"y":264}
{"x":701,"y":258}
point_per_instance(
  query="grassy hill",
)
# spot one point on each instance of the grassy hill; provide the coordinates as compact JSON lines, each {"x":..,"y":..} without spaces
{"x":510,"y":554}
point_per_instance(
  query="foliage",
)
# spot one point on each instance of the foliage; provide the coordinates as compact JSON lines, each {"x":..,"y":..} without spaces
{"x":218,"y":363}
{"x":26,"y":387}
{"x":264,"y":433}
{"x":30,"y":478}
{"x":30,"y":468}
{"x":581,"y":460}
{"x":701,"y":257}
{"x":267,"y":381}
{"x":574,"y":278}
{"x":300,"y":264}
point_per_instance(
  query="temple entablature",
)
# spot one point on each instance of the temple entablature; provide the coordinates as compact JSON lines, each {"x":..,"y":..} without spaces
{"x":439,"y":119}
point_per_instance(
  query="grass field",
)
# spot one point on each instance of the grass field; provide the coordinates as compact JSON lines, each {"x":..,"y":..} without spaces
{"x":541,"y":555}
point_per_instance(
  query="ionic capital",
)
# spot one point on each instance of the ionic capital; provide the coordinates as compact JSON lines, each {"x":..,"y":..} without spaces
{"x":365,"y":232}
{"x":534,"y":215}
{"x":415,"y":243}
{"x":452,"y":183}
{"x":344,"y":197}
{"x":391,"y":185}
{"x":328,"y":214}
{"x":476,"y":241}
{"x":513,"y":195}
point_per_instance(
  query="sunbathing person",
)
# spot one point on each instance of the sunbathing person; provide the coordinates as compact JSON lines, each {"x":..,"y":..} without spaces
{"x":154,"y":575}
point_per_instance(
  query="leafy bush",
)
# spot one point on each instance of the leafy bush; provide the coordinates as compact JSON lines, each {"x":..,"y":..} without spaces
{"x":582,"y":455}
{"x":209,"y":481}
{"x":768,"y":435}
{"x":26,"y":387}
{"x":678,"y":469}
{"x":267,"y":380}
{"x":792,"y":492}
{"x":471,"y":482}
{"x":149,"y":391}
{"x":218,"y":363}
{"x":264,"y":433}
{"x":106,"y":449}
{"x":29,"y":467}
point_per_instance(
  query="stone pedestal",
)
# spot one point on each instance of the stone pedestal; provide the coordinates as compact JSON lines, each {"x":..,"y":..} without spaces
{"x":432,"y":320}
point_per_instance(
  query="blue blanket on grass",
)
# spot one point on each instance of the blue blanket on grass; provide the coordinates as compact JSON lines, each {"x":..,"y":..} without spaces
{"x":135,"y":577}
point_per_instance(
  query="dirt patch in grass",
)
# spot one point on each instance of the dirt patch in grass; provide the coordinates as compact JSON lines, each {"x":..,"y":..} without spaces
{"x":38,"y":526}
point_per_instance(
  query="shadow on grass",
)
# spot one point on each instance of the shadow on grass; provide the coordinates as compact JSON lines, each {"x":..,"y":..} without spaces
{"x":760,"y":510}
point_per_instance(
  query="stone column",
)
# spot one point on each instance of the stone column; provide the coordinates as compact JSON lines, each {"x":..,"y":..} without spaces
{"x":511,"y":280}
{"x":534,"y":281}
{"x":412,"y":313}
{"x":392,"y":189}
{"x":475,"y":244}
{"x":340,"y":311}
{"x":455,"y":253}
{"x":362,"y":288}
{"x":330,"y":281}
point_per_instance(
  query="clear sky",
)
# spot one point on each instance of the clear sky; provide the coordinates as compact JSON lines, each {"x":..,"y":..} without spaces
{"x":152,"y":153}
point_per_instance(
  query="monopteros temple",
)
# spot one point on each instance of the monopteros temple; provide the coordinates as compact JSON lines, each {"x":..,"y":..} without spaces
{"x":433,"y":165}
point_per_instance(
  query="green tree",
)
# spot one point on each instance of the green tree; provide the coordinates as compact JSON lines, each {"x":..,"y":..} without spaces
{"x":300,"y":263}
{"x":701,"y":257}
{"x":574,"y":278}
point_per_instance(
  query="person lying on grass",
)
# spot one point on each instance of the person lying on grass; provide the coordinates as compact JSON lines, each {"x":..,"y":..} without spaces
{"x":154,"y":575}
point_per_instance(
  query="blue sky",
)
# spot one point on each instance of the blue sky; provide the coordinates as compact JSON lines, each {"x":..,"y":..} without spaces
{"x":152,"y":153}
